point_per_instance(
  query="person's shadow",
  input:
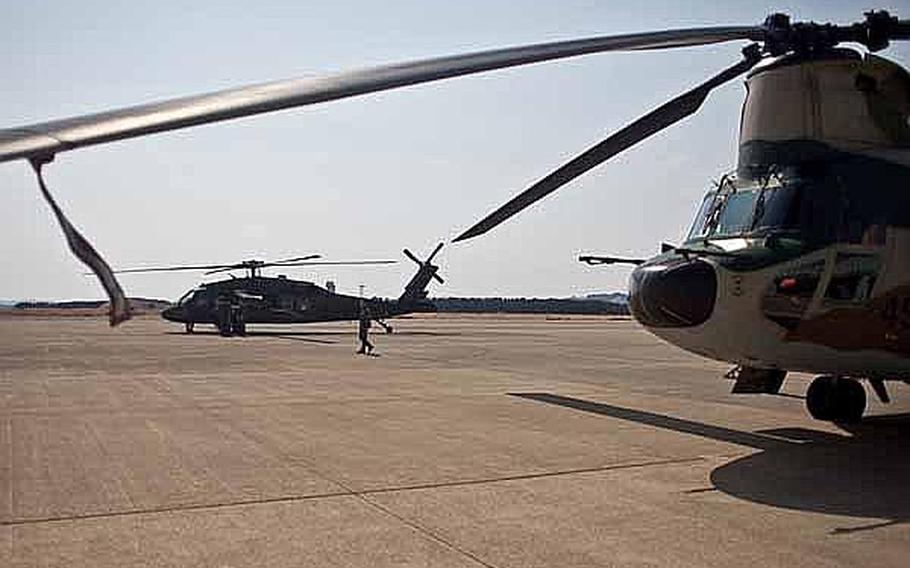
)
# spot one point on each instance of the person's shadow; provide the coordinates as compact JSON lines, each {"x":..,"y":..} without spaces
{"x":863,"y":473}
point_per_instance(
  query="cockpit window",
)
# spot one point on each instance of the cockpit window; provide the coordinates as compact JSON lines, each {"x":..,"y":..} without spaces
{"x":754,"y":209}
{"x":699,"y":226}
{"x":777,"y":209}
{"x":823,"y":205}
{"x":187,"y":298}
{"x":736,"y":214}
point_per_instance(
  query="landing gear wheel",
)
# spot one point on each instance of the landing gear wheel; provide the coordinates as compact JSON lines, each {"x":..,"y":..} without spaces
{"x":853,"y":400}
{"x":238,"y":322}
{"x":836,"y":399}
{"x":818,"y":398}
{"x":188,"y":326}
{"x":223,"y":319}
{"x":224,"y":328}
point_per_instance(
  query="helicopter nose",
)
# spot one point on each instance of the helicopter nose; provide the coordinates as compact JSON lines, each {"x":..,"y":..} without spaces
{"x":677,"y":293}
{"x":173,"y":314}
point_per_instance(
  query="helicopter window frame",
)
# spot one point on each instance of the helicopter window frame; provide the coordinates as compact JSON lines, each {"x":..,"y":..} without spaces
{"x":699,"y":228}
{"x":710,"y":222}
{"x":188,"y":298}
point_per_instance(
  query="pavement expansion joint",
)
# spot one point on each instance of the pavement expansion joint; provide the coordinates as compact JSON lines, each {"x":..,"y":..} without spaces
{"x":347,"y":492}
{"x":427,"y":532}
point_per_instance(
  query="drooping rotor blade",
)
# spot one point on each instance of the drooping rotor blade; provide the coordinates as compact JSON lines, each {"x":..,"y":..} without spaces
{"x":438,"y":278}
{"x":666,"y":115}
{"x":49,"y":138}
{"x":410,"y":255}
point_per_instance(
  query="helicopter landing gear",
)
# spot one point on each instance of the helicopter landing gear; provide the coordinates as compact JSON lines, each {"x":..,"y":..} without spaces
{"x":231,"y":324}
{"x":188,"y":326}
{"x":224,"y":327}
{"x":838,"y":399}
{"x":229,"y":319}
{"x":238,"y":325}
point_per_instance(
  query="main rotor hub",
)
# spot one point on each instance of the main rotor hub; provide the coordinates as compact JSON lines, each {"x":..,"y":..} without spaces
{"x":782,"y":36}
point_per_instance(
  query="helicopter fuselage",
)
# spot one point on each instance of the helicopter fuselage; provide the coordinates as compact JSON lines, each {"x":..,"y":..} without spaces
{"x":801,"y":261}
{"x":281,"y":301}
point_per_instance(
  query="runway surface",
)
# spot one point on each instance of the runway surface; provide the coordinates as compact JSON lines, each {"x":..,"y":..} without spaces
{"x":471,"y":441}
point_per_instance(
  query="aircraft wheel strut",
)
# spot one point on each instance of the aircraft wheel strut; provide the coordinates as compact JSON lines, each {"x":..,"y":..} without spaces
{"x":837,"y":399}
{"x":239,"y":328}
{"x":188,"y":326}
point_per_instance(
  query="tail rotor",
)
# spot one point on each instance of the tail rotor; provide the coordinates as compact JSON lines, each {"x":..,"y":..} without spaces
{"x":428,"y":263}
{"x":416,"y":289}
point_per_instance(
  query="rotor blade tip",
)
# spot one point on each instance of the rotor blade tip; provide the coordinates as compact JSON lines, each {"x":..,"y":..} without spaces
{"x":469,"y":234}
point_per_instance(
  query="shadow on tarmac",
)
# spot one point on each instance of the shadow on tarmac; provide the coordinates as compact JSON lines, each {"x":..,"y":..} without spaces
{"x":862,"y":473}
{"x":290,"y":333}
{"x":261,"y":333}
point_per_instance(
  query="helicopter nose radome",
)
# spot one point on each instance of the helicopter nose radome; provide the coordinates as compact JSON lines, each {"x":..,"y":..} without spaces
{"x":673,"y":294}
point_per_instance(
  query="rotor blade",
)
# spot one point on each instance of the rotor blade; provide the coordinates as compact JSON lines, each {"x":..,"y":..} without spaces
{"x":297,"y":259}
{"x":225,"y":268}
{"x":332,"y":263}
{"x":653,"y":122}
{"x":433,"y":254}
{"x":172,"y":268}
{"x":438,"y":278}
{"x":49,"y":138}
{"x":410,"y":255}
{"x":598,"y":260}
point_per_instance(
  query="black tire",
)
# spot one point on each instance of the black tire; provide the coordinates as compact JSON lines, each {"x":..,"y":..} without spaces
{"x":838,"y":400}
{"x":188,"y":326}
{"x":820,"y":398}
{"x":851,"y":398}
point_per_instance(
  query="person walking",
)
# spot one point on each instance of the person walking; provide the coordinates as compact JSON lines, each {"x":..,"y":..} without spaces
{"x":363,"y":332}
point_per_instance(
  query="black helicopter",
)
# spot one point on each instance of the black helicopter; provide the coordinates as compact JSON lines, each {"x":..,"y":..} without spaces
{"x":232,"y":304}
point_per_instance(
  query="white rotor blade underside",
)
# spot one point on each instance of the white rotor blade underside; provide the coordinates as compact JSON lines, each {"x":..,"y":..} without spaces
{"x":49,"y":138}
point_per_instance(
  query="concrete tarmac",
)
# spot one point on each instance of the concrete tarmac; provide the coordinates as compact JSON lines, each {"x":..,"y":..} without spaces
{"x":471,"y":441}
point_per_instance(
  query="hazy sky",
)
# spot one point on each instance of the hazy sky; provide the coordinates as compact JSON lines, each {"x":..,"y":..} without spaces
{"x":366,"y":176}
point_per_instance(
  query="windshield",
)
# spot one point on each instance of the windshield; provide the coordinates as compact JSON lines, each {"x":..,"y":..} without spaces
{"x":187,"y":298}
{"x":749,"y":209}
{"x":735,"y":217}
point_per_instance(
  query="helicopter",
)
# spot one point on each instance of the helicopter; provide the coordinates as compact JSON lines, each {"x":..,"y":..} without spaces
{"x":796,"y":261}
{"x":230,"y":305}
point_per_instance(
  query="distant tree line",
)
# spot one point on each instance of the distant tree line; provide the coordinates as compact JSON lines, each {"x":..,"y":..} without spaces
{"x":530,"y":306}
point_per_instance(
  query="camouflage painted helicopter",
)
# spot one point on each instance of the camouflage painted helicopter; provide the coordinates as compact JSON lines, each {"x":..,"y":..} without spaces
{"x":232,"y":304}
{"x":797,"y":262}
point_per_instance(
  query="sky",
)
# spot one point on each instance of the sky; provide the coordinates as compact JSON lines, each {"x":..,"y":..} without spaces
{"x":364,"y":177}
